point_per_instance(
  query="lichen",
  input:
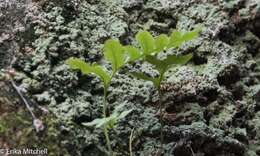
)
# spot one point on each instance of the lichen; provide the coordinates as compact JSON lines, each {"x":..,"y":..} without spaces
{"x":211,"y":103}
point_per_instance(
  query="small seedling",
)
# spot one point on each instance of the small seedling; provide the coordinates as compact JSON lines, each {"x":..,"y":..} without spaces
{"x":119,"y":55}
{"x":150,"y":47}
{"x":114,"y":53}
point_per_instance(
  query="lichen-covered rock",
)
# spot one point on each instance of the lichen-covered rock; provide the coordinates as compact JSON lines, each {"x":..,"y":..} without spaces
{"x":200,"y":138}
{"x":212,"y":103}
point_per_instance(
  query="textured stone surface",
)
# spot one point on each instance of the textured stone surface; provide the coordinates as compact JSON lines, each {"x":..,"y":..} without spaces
{"x":212,"y":104}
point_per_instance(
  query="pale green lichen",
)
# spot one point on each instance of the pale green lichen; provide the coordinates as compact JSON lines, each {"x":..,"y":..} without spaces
{"x":202,"y":92}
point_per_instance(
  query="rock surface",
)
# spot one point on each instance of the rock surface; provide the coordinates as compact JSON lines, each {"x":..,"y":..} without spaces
{"x":212,"y":104}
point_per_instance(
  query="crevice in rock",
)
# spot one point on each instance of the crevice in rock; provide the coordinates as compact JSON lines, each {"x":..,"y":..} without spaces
{"x":229,"y":75}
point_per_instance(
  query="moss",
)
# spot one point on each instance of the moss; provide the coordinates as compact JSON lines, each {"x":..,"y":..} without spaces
{"x":17,"y":131}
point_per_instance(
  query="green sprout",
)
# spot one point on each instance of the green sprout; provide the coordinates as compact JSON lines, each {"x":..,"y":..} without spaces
{"x":109,"y":122}
{"x":118,"y":56}
{"x":150,"y":48}
{"x":114,"y":53}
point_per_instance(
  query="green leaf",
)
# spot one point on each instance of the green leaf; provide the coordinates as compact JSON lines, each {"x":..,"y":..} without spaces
{"x":163,"y":65}
{"x":102,"y":122}
{"x":110,"y":121}
{"x":97,"y":123}
{"x":118,"y":108}
{"x":159,"y":64}
{"x":161,"y":42}
{"x":75,"y":63}
{"x":124,"y":114}
{"x":175,"y":39}
{"x":190,"y":35}
{"x":114,"y":53}
{"x":98,"y":70}
{"x":146,"y":78}
{"x":177,"y":60}
{"x":146,"y":41}
{"x":133,"y":53}
{"x":153,"y":60}
{"x":86,"y":68}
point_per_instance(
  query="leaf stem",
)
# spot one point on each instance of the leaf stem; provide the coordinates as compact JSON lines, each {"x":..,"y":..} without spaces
{"x":131,"y":141}
{"x":105,"y":128}
{"x":161,"y":109}
{"x":111,"y":153}
{"x":161,"y":119}
{"x":105,"y":102}
{"x":108,"y":141}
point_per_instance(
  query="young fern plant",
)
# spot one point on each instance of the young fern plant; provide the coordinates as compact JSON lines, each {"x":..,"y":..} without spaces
{"x":114,"y":53}
{"x":150,"y":47}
